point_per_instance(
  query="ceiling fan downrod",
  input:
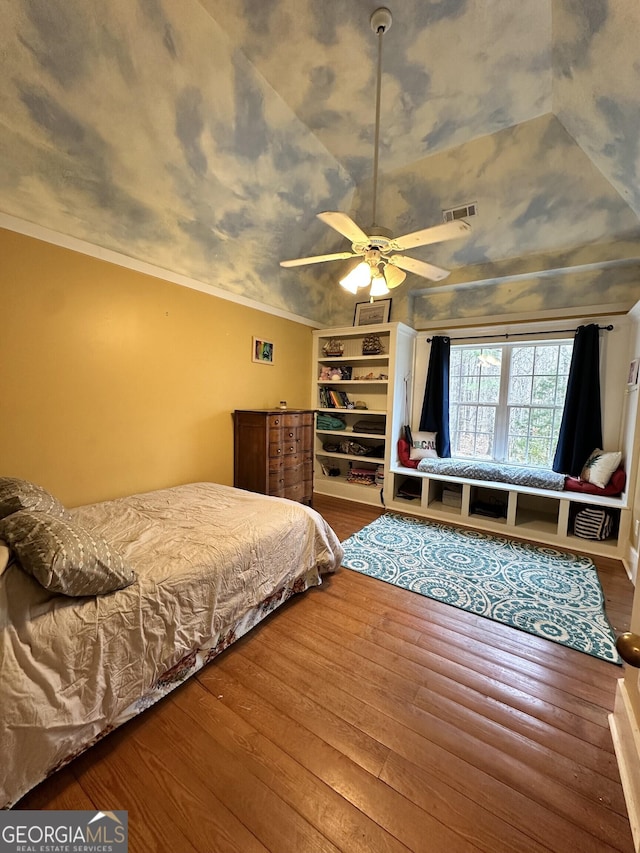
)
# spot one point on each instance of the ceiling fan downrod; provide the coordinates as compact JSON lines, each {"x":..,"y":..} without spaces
{"x":380,"y":22}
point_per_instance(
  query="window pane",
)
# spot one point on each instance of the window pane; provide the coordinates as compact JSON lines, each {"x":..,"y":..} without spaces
{"x":489,"y":389}
{"x":565,"y":358}
{"x":544,"y":390}
{"x":561,"y":390}
{"x":518,"y":421}
{"x":521,"y":361}
{"x":546,"y":360}
{"x":466,"y":443}
{"x":467,"y":418}
{"x":484,"y":445}
{"x":539,"y":450}
{"x":517,"y":453}
{"x":470,"y":363}
{"x":541,"y":422}
{"x":520,"y":390}
{"x":486,"y":419}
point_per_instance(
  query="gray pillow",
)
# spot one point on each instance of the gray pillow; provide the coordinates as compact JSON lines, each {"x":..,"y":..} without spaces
{"x":62,"y":556}
{"x":16,"y":494}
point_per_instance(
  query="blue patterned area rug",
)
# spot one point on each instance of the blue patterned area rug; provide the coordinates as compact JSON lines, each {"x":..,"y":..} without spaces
{"x":537,"y":589}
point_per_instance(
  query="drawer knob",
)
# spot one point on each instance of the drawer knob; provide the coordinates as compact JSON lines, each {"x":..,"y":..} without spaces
{"x":277,"y":421}
{"x":279,"y":450}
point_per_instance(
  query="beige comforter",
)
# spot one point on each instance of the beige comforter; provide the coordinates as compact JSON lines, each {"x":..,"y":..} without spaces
{"x":211,"y":562}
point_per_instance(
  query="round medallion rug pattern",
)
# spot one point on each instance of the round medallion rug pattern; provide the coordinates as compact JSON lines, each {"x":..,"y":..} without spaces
{"x":537,"y":589}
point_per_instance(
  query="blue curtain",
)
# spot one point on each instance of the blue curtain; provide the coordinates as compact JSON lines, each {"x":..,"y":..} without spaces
{"x":581,"y":427}
{"x":435,"y":406}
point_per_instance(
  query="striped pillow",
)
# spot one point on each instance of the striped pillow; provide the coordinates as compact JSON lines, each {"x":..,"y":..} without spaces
{"x":62,"y":556}
{"x":16,"y":494}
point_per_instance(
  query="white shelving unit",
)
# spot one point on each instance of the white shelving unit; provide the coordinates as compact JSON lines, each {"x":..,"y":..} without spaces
{"x":374,"y":382}
{"x":528,"y":513}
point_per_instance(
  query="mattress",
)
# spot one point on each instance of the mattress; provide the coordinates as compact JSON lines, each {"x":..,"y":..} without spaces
{"x":211,"y":562}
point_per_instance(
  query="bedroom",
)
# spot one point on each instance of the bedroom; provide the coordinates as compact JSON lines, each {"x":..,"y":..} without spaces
{"x":205,"y":166}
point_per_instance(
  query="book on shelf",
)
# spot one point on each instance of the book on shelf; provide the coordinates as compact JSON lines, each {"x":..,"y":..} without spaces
{"x":332,"y":398}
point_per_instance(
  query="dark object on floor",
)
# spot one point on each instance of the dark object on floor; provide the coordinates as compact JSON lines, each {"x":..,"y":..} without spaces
{"x":410,"y":488}
{"x":490,"y":510}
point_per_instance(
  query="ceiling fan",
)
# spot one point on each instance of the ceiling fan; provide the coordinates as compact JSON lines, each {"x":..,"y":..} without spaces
{"x":379,"y":266}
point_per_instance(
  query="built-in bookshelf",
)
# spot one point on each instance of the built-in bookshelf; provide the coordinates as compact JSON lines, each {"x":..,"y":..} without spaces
{"x":354,"y":392}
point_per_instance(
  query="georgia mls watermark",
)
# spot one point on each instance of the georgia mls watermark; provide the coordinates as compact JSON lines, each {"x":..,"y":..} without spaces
{"x":64,"y":832}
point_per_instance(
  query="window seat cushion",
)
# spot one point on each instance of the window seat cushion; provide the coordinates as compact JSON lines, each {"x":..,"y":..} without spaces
{"x":537,"y":478}
{"x":615,"y":486}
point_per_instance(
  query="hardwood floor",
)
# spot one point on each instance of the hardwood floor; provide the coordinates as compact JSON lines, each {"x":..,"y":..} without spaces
{"x":361,"y":717}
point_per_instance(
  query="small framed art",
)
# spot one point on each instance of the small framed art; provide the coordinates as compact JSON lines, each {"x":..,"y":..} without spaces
{"x":632,"y":376}
{"x":368,"y":313}
{"x":262,"y":351}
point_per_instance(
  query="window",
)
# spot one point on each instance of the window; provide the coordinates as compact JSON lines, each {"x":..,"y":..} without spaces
{"x":506,"y":401}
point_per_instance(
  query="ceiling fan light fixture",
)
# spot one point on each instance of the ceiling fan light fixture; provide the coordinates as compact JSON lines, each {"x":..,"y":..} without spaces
{"x":393,"y":276}
{"x":378,"y":285}
{"x":358,"y":277}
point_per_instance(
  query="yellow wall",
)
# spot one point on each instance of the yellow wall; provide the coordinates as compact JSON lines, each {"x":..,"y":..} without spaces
{"x":114,"y":382}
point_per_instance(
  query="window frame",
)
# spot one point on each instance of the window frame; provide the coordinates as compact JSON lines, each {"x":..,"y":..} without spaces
{"x":500,"y":442}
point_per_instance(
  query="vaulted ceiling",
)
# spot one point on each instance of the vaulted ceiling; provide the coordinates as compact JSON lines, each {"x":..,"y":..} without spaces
{"x":203,"y":137}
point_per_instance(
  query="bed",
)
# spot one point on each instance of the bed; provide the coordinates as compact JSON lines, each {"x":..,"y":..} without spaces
{"x":210,"y":562}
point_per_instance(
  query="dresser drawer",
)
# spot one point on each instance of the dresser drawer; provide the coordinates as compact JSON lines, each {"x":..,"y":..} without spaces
{"x":275,"y":421}
{"x":293,"y":474}
{"x":276,"y":483}
{"x":294,"y":492}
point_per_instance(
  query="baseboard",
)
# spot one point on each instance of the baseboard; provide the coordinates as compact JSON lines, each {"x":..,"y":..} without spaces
{"x":626,"y":741}
{"x":631,"y":565}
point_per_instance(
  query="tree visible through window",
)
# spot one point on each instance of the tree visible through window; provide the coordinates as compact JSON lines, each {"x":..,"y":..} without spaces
{"x":506,"y":401}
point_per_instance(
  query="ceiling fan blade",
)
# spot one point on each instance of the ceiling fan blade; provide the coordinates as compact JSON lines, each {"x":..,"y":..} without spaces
{"x":435,"y":234}
{"x":344,"y":225}
{"x":419,"y":267}
{"x":317,"y":259}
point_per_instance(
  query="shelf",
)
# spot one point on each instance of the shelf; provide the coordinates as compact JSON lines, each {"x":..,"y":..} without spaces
{"x":353,"y":457}
{"x":355,"y":411}
{"x":353,"y":381}
{"x":350,"y":432}
{"x":384,"y":357}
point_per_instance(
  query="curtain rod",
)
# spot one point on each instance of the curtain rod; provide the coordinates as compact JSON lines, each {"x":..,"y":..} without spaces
{"x":608,"y":328}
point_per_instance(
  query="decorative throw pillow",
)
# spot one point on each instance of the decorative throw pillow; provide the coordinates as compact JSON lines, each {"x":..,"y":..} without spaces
{"x":62,"y":556}
{"x":599,"y":467}
{"x":423,"y":446}
{"x":5,"y":556}
{"x":16,"y":494}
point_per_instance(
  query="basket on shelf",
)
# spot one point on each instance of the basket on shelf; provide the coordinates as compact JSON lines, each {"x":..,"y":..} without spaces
{"x":371,"y":345}
{"x":333,"y":348}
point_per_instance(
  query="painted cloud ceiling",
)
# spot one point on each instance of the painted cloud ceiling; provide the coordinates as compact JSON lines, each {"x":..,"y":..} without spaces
{"x":203,"y":137}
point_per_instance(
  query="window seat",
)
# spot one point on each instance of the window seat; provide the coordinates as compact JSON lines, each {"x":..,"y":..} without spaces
{"x":535,"y":481}
{"x":472,"y":469}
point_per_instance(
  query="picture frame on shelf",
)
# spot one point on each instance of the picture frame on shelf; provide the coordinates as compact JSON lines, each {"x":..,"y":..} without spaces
{"x":262,"y":351}
{"x":370,"y":313}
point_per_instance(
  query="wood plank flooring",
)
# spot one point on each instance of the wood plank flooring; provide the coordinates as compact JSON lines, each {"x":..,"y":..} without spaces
{"x":362,"y":718}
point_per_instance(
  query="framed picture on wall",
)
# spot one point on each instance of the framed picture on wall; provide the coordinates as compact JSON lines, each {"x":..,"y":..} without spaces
{"x":368,"y":313}
{"x":632,"y":377}
{"x":262,"y":351}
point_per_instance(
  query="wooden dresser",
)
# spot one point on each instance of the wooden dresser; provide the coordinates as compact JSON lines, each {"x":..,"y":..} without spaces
{"x":273,"y":452}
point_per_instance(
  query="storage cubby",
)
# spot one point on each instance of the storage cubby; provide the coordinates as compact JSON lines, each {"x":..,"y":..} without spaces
{"x":489,"y":504}
{"x":526,"y":512}
{"x":537,"y":514}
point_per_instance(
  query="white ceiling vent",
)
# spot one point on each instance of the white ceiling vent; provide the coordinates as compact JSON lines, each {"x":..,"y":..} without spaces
{"x":462,"y":212}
